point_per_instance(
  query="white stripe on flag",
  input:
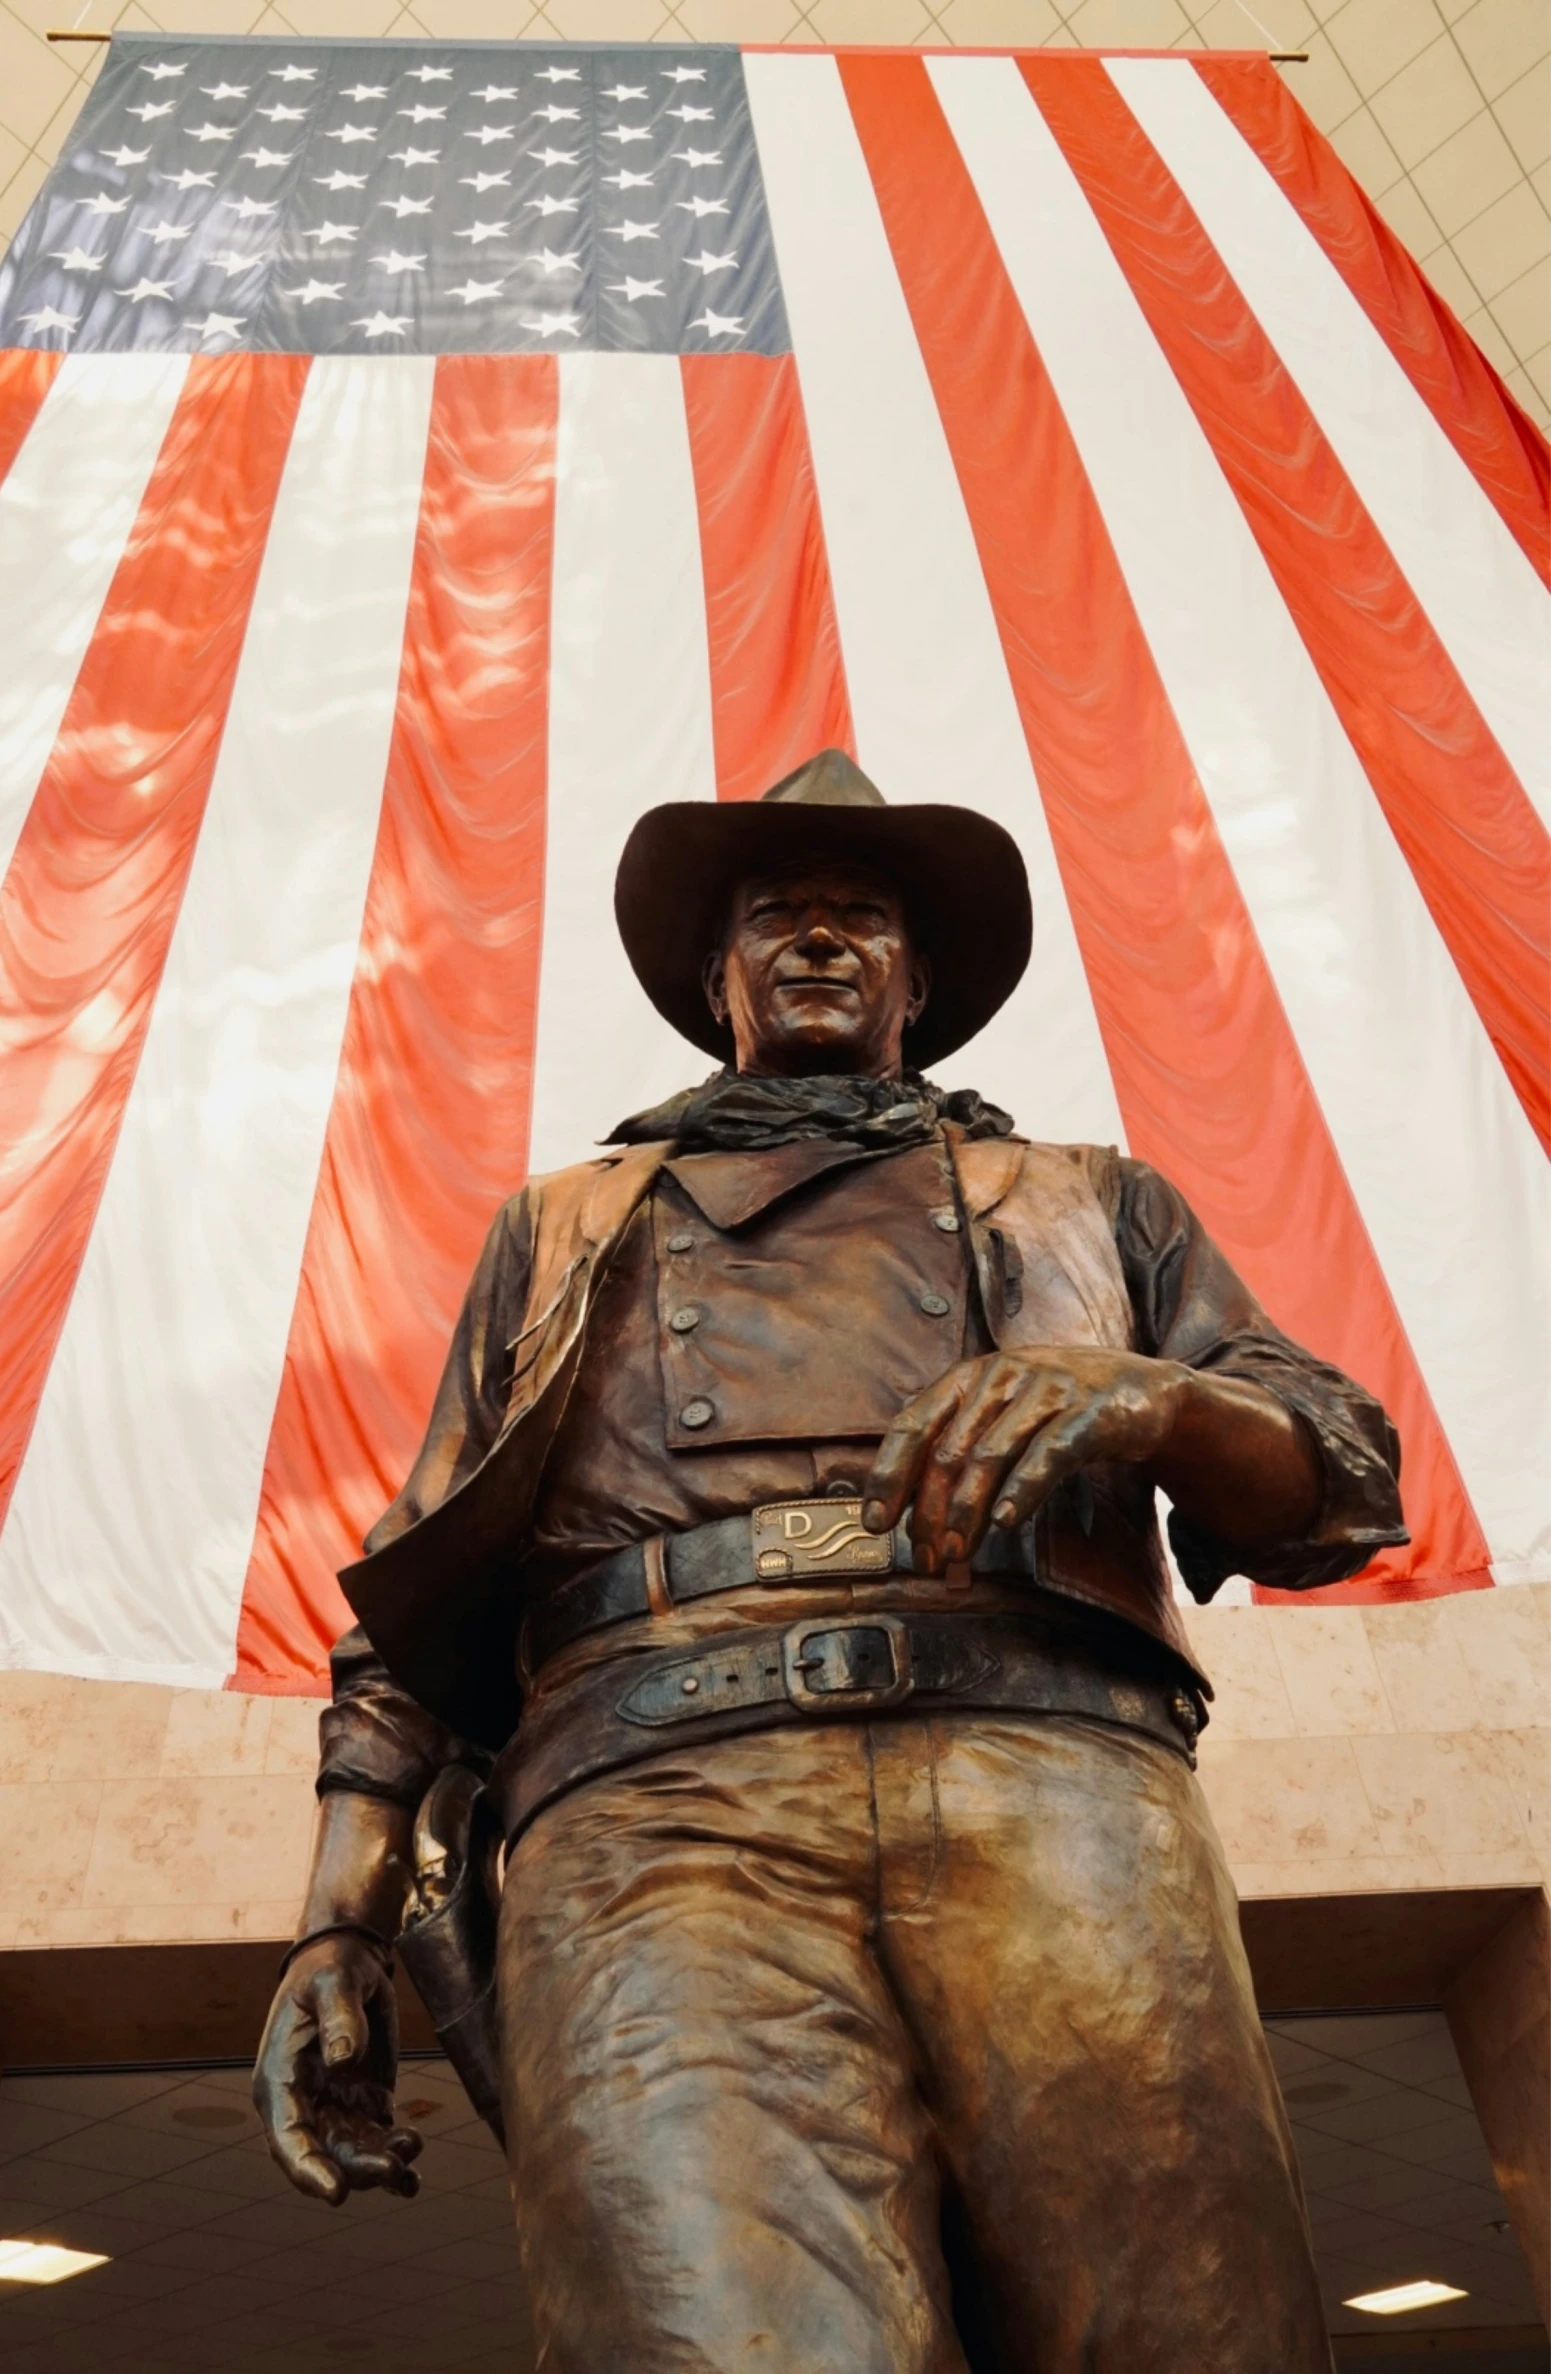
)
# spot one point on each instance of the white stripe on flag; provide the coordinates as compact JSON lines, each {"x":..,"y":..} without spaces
{"x":1468,"y":572}
{"x":1444,"y":1165}
{"x":629,"y":726}
{"x":128,"y":1538}
{"x":930,"y":694}
{"x":67,"y":505}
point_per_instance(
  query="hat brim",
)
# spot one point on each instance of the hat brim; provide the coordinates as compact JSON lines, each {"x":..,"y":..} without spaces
{"x":961,"y":877}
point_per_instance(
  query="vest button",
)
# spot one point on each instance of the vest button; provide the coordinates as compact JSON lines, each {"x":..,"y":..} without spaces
{"x":948,"y":1222}
{"x":696,"y":1413}
{"x":936,"y":1306}
{"x":682,"y":1321}
{"x":682,"y":1243}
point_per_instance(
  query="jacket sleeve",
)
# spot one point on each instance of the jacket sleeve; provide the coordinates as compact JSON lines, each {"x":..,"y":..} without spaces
{"x":1190,"y":1305}
{"x":375,"y":1738}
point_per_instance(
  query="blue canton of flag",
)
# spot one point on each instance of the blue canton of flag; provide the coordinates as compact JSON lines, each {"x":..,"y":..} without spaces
{"x":484,"y":198}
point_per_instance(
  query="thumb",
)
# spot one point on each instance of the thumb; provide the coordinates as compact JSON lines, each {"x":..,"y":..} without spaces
{"x":342,"y":2032}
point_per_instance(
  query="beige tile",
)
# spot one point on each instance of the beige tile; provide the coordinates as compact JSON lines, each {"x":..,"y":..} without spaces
{"x":606,"y":20}
{"x":468,"y":20}
{"x":111,"y":1731}
{"x":1480,"y":326}
{"x":991,"y":24}
{"x":738,"y":20}
{"x":215,"y":1732}
{"x":1365,"y":152}
{"x":340,"y":20}
{"x":1328,"y":1665}
{"x":208,"y":16}
{"x":866,"y":20}
{"x":12,"y":152}
{"x":35,"y":1710}
{"x":33,"y":80}
{"x":292,"y":1744}
{"x":1452,"y":282}
{"x":1375,"y":38}
{"x":1524,"y":1759}
{"x":1127,"y":24}
{"x":165,"y":1924}
{"x":1322,"y":86}
{"x":1352,"y":1875}
{"x":1500,"y":1636}
{"x":1428,"y":102}
{"x":1525,"y":116}
{"x":46,"y":1834}
{"x":1460,"y":179}
{"x":1237,"y":1651}
{"x":1537,"y":371}
{"x":1223,"y":25}
{"x":1281,"y":1800}
{"x":1502,"y":40}
{"x":1523,"y":312}
{"x":1427,"y":1686}
{"x":1440,"y":1795}
{"x":1408,"y":218}
{"x":1540,"y":183}
{"x":200,"y":1842}
{"x":1504,"y":242}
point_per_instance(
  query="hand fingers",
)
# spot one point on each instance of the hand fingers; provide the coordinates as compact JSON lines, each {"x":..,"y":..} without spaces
{"x":300,"y":2153}
{"x":959,"y":1452}
{"x":1056,"y":1453}
{"x":406,"y":2142}
{"x":1043,"y":1402}
{"x":903,"y":1450}
{"x":368,"y":2164}
{"x":342,"y":2027}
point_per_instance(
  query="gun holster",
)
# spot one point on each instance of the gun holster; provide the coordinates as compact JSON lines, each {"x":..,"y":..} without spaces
{"x":448,"y":1944}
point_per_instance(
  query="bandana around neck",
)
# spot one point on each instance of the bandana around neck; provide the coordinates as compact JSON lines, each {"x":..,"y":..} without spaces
{"x":735,"y":1113}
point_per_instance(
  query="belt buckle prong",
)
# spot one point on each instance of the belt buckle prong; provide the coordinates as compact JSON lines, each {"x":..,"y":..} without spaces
{"x":800,"y":1666}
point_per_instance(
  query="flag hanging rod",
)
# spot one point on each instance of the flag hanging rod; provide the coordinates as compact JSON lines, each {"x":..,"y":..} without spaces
{"x":1277,"y":57}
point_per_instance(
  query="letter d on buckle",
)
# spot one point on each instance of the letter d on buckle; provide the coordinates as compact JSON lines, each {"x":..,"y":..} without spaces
{"x":847,"y":1664}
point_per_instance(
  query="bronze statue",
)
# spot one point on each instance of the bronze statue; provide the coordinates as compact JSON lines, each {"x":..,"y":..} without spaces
{"x":780,"y":1581}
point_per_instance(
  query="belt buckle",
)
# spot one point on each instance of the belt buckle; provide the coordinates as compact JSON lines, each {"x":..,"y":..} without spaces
{"x":803,"y":1669}
{"x":797,"y":1541}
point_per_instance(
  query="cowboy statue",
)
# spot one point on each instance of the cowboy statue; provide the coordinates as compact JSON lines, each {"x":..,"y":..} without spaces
{"x":779,"y":1586}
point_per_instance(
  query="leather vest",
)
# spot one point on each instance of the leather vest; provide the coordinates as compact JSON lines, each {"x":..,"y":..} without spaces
{"x":438,"y":1603}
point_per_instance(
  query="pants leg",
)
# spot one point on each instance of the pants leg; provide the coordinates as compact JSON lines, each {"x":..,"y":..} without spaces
{"x":1062,"y":1937}
{"x":719,"y":2151}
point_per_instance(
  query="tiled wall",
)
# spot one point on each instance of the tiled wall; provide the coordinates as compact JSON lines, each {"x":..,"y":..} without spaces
{"x":1442,"y":108}
{"x":1351,"y":1750}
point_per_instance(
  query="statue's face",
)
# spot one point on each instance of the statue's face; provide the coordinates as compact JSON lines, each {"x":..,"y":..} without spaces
{"x":817,"y":974}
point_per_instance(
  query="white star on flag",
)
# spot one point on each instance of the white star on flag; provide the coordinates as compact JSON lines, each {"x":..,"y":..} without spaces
{"x":480,"y":232}
{"x":221,"y":325}
{"x":394,"y":262}
{"x":473,"y":290}
{"x":559,"y":115}
{"x":148,"y":115}
{"x":551,"y":325}
{"x":365,"y":90}
{"x":333,"y":231}
{"x":553,"y":263}
{"x":694,"y":158}
{"x":231,"y":263}
{"x":558,"y":74}
{"x":480,"y":182}
{"x":626,"y":90}
{"x":340,"y":181}
{"x":249,"y":207}
{"x":403,"y":206}
{"x":383,"y":325}
{"x":265,"y":157}
{"x":548,"y":205}
{"x":488,"y":132}
{"x":494,"y":91}
{"x":430,"y":74}
{"x":293,"y":73}
{"x":694,"y":115}
{"x":701,"y":206}
{"x":225,"y":90}
{"x":148,"y":288}
{"x":187,"y":180}
{"x":710,"y":263}
{"x":284,"y":115}
{"x":631,"y":290}
{"x":162,"y":234}
{"x":203,"y":132}
{"x":76,"y":259}
{"x":101,"y":203}
{"x":314,"y":289}
{"x":628,"y":230}
{"x":414,"y":156}
{"x":624,"y":133}
{"x":48,"y":318}
{"x":554,"y":156}
{"x":683,"y":74}
{"x":161,"y":71}
{"x":125,"y":157}
{"x":422,"y":115}
{"x":718,"y":325}
{"x":629,"y":181}
{"x":350,"y":133}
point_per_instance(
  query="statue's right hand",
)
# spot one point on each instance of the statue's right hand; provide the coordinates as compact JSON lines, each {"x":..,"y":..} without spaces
{"x":323,"y":2082}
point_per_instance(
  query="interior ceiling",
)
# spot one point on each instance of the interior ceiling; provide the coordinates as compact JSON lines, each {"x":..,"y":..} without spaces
{"x":216,"y":2268}
{"x":1442,"y":108}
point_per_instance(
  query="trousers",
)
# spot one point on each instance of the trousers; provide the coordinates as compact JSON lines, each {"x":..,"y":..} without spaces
{"x":911,"y":2046}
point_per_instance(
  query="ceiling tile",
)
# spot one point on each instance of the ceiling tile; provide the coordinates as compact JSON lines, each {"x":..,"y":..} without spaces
{"x":1427,"y":102}
{"x":868,"y":20}
{"x":1375,"y":38}
{"x":1403,"y":210}
{"x":1128,"y":24}
{"x":33,"y":79}
{"x":1504,"y":242}
{"x":343,"y":20}
{"x":739,"y":20}
{"x":606,"y":20}
{"x":1525,"y":116}
{"x":1463,"y":177}
{"x":1363,"y":149}
{"x":1017,"y":24}
{"x":1523,"y":311}
{"x":1502,"y":40}
{"x":1322,"y":87}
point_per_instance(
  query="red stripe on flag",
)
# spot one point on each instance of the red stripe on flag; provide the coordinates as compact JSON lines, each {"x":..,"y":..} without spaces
{"x":1479,"y":852}
{"x":88,"y":905}
{"x":428,"y":1131}
{"x":1210,"y":1080}
{"x":26,"y":375}
{"x":1482,"y":420}
{"x":778,"y":687}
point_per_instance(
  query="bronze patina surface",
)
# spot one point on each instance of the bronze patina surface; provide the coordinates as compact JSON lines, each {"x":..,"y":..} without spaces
{"x":868,"y":1995}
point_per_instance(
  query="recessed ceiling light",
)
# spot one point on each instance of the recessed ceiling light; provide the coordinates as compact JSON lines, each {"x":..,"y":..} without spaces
{"x":44,"y":2262}
{"x":1400,"y":2298}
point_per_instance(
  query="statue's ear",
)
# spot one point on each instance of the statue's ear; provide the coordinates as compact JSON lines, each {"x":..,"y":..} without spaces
{"x":713,"y":980}
{"x":920,"y":988}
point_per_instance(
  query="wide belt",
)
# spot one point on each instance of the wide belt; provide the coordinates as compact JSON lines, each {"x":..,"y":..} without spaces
{"x":785,"y":1542}
{"x":825,"y":1668}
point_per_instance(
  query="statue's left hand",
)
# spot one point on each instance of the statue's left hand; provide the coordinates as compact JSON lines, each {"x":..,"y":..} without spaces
{"x":992,"y":1439}
{"x":323,"y":2082}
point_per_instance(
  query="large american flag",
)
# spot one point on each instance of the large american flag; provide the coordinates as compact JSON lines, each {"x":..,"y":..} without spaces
{"x":419,"y":458}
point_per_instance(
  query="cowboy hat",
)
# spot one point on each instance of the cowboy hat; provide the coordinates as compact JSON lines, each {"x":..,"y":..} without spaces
{"x":961,"y":877}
